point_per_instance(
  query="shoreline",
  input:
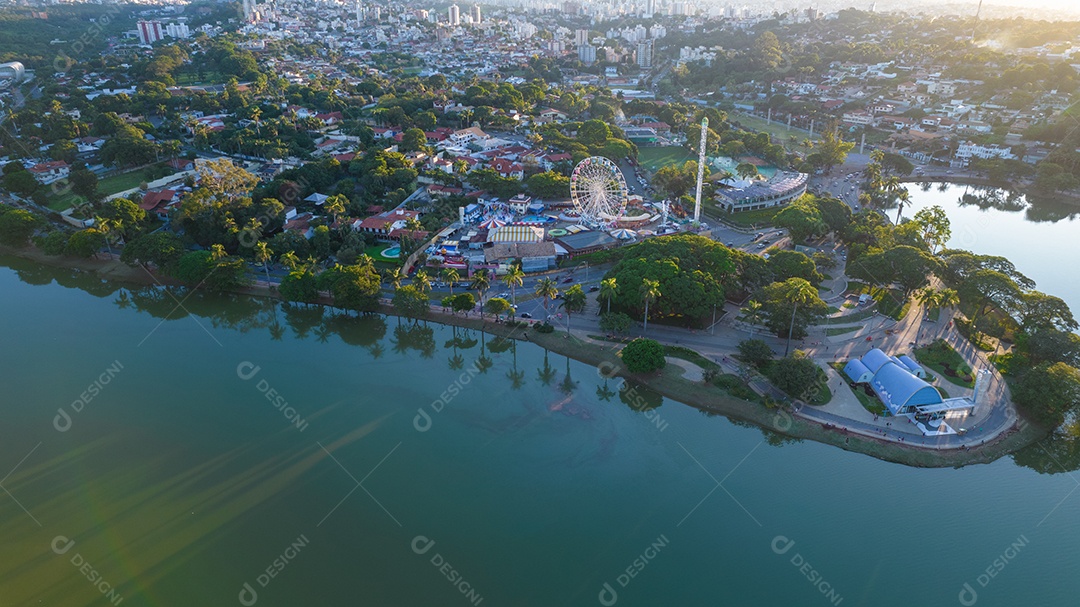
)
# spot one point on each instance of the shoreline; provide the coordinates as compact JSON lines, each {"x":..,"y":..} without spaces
{"x":1062,"y":197}
{"x":669,"y":382}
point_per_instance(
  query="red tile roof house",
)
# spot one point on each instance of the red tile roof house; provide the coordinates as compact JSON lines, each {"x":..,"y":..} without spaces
{"x":330,"y":118}
{"x":384,"y":224}
{"x":506,"y":168}
{"x":301,"y":224}
{"x":181,"y":164}
{"x":48,"y":172}
{"x":159,"y":203}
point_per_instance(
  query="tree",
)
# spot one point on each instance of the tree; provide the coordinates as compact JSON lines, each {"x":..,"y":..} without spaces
{"x":675,"y":181}
{"x":650,"y":292}
{"x":463,"y":302}
{"x":795,"y":375}
{"x":21,"y":182}
{"x":831,"y":151}
{"x":412,"y":140}
{"x":355,"y":287}
{"x":546,"y":288}
{"x":573,"y":302}
{"x":201,"y":269}
{"x":124,"y":213}
{"x":746,"y":170}
{"x":935,"y":227}
{"x":481,"y":282}
{"x":84,"y":183}
{"x":615,"y":322}
{"x":411,"y":302}
{"x":497,"y":305}
{"x":299,"y":286}
{"x":755,"y":352}
{"x":793,"y":264}
{"x":789,"y":296}
{"x":162,"y":249}
{"x":17,"y":226}
{"x":514,"y":278}
{"x":422,"y":282}
{"x":609,"y":288}
{"x":549,"y":184}
{"x":394,"y":276}
{"x":1049,"y":393}
{"x":221,"y":176}
{"x":263,"y":254}
{"x":85,"y":243}
{"x":451,"y":276}
{"x":752,"y":314}
{"x":643,"y":356}
{"x":801,"y":218}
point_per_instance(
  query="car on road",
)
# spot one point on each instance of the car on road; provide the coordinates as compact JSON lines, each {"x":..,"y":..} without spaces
{"x":731,"y":245}
{"x":594,"y":289}
{"x":525,"y":315}
{"x":504,"y":294}
{"x":761,"y":245}
{"x":567,"y":281}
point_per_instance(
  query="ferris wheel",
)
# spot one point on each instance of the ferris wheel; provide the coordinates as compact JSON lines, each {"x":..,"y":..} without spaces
{"x":598,"y":190}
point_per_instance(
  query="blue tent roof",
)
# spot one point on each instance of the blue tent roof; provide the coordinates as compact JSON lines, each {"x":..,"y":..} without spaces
{"x":910,"y":363}
{"x":857,"y":371}
{"x":874,"y":359}
{"x":898,"y":388}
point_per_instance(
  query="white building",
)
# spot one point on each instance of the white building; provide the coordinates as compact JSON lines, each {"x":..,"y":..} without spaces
{"x":150,"y":32}
{"x":454,"y":15}
{"x":967,"y":150}
{"x":474,"y":12}
{"x":581,"y":37}
{"x":177,"y":30}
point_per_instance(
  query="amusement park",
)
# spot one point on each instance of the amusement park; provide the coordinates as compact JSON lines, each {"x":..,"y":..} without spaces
{"x":599,"y":212}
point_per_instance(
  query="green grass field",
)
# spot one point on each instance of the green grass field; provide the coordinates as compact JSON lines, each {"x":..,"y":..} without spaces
{"x":940,"y":358}
{"x":779,"y":131}
{"x":375,"y":252}
{"x":653,"y":158}
{"x":750,"y":219}
{"x":106,"y":187}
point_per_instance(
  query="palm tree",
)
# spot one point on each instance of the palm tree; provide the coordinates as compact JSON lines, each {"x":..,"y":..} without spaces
{"x":262,"y":255}
{"x":252,"y":231}
{"x":451,"y":276}
{"x":902,"y":198}
{"x":573,"y":302}
{"x":289,"y":260}
{"x":481,"y":282}
{"x":513,"y":279}
{"x":546,"y":288}
{"x":516,"y":377}
{"x":650,"y":292}
{"x":609,"y":288}
{"x":422,"y":282}
{"x":604,"y":393}
{"x":798,"y":292}
{"x":217,"y":252}
{"x":394,"y":276}
{"x":752,"y":315}
{"x":105,"y":226}
{"x":335,"y":205}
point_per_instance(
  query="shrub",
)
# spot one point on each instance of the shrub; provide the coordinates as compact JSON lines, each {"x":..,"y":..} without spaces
{"x":643,"y":356}
{"x":545,"y":328}
{"x":755,"y":352}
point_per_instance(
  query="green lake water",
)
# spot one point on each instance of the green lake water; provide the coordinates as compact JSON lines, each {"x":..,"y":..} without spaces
{"x":179,"y":481}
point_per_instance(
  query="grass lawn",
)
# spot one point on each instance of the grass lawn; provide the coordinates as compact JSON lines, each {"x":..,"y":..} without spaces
{"x":870,"y":403}
{"x":375,"y":252}
{"x":653,"y":158}
{"x":840,"y":330}
{"x":690,"y":355}
{"x":940,"y":357}
{"x":854,"y":316}
{"x":734,"y":386}
{"x":778,"y":130}
{"x":890,"y":302}
{"x":935,"y":314}
{"x":750,"y":219}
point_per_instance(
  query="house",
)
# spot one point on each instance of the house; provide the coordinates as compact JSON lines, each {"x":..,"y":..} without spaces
{"x":330,"y":119}
{"x":300,"y":224}
{"x":159,"y":203}
{"x":48,"y":172}
{"x":507,"y":169}
{"x":549,"y":115}
{"x":181,"y":164}
{"x":469,"y":135}
{"x":85,"y":145}
{"x":384,"y":224}
{"x":519,"y":204}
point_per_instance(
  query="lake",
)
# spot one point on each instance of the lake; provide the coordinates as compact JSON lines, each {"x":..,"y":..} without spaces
{"x":224,"y":450}
{"x":1037,"y":237}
